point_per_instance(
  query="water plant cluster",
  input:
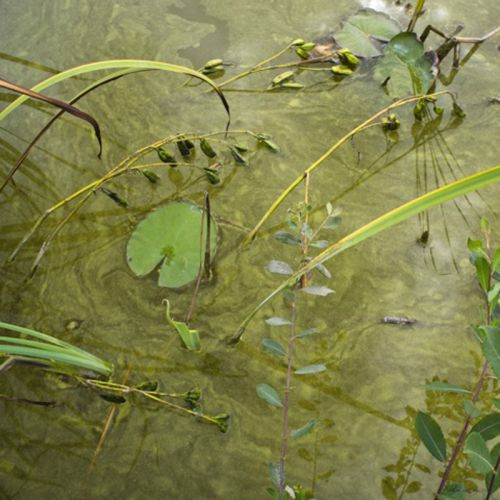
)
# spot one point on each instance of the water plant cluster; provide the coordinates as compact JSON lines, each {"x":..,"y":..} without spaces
{"x":180,"y":239}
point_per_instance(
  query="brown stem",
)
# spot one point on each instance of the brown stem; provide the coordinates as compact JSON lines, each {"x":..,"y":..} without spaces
{"x":284,"y":437}
{"x":492,"y":480}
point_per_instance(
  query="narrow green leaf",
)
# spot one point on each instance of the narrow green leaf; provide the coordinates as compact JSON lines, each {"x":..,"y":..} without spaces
{"x":279,"y":267}
{"x":491,"y":348}
{"x":273,"y":347}
{"x":322,"y":291}
{"x":494,"y":294}
{"x":444,"y":387}
{"x":495,"y":262}
{"x":269,"y":394}
{"x":310,"y":369}
{"x":431,"y":435}
{"x":286,"y":238}
{"x":307,"y":333}
{"x":319,"y":243}
{"x":488,"y":426}
{"x":274,"y":474}
{"x":479,"y":455}
{"x":276,"y":321}
{"x":305,"y":429}
{"x":483,"y":272}
{"x":190,"y":338}
{"x":323,"y":270}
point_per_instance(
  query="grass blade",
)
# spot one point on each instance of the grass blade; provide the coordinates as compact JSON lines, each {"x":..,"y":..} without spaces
{"x":389,"y":219}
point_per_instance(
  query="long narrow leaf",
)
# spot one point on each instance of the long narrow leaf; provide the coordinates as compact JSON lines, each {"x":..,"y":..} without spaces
{"x":115,"y":64}
{"x":59,"y":104}
{"x":44,"y":346}
{"x":389,"y":219}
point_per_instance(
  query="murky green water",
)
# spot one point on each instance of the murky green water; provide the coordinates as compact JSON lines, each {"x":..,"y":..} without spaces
{"x":375,"y":371}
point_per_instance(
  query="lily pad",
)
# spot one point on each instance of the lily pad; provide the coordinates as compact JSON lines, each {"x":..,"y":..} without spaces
{"x":171,"y":236}
{"x":407,"y":66}
{"x":365,"y":33}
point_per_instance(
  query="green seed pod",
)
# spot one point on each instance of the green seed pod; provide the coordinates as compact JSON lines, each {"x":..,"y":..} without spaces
{"x":293,"y":85}
{"x":458,"y":111}
{"x":303,"y":54}
{"x":298,"y":42}
{"x":348,"y":58}
{"x":112,"y":398}
{"x":241,"y":148}
{"x":184,"y":149}
{"x":391,"y":122}
{"x":222,"y":421}
{"x":150,"y":176}
{"x":212,"y":175}
{"x":148,"y":386}
{"x":213,"y":63}
{"x":237,"y":156}
{"x":166,"y":157}
{"x":418,"y":110}
{"x":207,"y":149}
{"x":341,"y":70}
{"x":438,"y":110}
{"x":282,"y":78}
{"x":308,"y":46}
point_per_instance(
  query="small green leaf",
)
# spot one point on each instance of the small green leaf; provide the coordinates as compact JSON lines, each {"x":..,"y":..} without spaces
{"x":310,"y":369}
{"x":323,"y":270}
{"x":470,"y":409}
{"x":431,"y":435}
{"x":274,"y":474}
{"x":476,"y":247}
{"x":483,"y":272}
{"x":494,"y":294}
{"x":322,"y":291}
{"x":287,"y":238}
{"x":237,"y":156}
{"x":279,"y":267}
{"x":444,"y":387}
{"x":166,"y":157}
{"x":479,"y":455}
{"x":495,"y":262}
{"x":452,"y":492}
{"x":488,"y":426}
{"x":276,"y":321}
{"x":305,"y":429}
{"x":307,"y":333}
{"x":319,"y":243}
{"x":341,"y":70}
{"x":496,"y":402}
{"x":282,"y":78}
{"x":491,"y":348}
{"x":273,"y":347}
{"x":267,"y":141}
{"x":268,"y":394}
{"x":190,"y":338}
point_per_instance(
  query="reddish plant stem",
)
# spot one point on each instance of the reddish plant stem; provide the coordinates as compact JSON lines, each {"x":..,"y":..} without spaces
{"x":492,"y":480}
{"x":284,"y":437}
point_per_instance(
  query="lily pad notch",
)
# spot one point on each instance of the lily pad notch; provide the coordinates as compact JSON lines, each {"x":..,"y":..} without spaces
{"x":171,"y":236}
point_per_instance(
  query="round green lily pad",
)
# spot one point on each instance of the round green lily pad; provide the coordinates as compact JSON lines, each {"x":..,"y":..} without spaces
{"x":170,"y":235}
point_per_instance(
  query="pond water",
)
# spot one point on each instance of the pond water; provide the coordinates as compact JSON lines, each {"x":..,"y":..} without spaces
{"x":366,"y":399}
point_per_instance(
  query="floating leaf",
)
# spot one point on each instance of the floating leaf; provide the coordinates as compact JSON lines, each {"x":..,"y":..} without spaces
{"x":273,"y":347}
{"x":113,"y":398}
{"x":322,"y":291}
{"x":266,"y":139}
{"x":276,"y":321}
{"x":479,"y":455}
{"x":268,"y":394}
{"x":170,"y":235}
{"x":431,"y":435}
{"x":491,"y":348}
{"x":279,"y":267}
{"x":443,"y":387}
{"x":488,"y":427}
{"x":308,"y":332}
{"x":363,"y":32}
{"x":305,"y":429}
{"x":470,"y":409}
{"x":452,"y":492}
{"x":287,"y":238}
{"x":310,"y":369}
{"x":407,"y":65}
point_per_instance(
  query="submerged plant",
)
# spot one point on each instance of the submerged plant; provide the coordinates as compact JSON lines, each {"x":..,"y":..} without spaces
{"x":483,"y":459}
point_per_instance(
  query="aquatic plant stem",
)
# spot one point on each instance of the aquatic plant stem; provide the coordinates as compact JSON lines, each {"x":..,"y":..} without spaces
{"x":327,"y":154}
{"x":304,"y":244}
{"x":492,"y":480}
{"x":286,"y":406}
{"x":463,"y":434}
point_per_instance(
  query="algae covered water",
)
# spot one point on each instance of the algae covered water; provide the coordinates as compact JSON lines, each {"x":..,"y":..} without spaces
{"x":363,"y":445}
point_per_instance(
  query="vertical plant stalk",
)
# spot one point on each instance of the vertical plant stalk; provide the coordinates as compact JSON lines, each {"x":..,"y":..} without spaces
{"x":463,"y":434}
{"x":304,"y":244}
{"x":416,"y":14}
{"x":205,"y":213}
{"x":284,"y":436}
{"x":207,"y":239}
